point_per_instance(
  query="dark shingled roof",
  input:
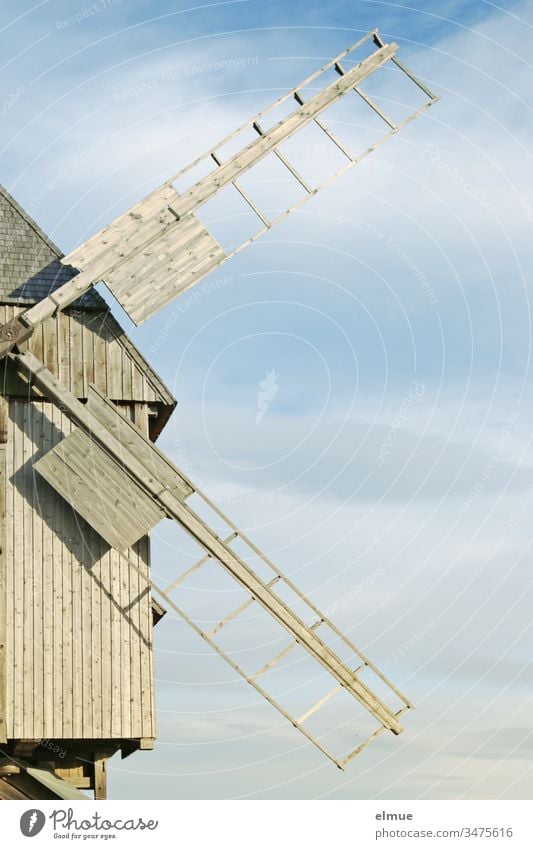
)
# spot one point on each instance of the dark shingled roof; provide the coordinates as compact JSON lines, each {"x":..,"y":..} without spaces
{"x":29,"y":262}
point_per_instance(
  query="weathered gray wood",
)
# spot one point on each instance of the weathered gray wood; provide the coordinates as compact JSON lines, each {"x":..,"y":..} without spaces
{"x":101,"y":354}
{"x":161,"y":297}
{"x":100,"y":777}
{"x":17,"y":591}
{"x":162,"y":281}
{"x":99,"y":491}
{"x":149,"y":222}
{"x":4,"y":415}
{"x":148,"y":211}
{"x":49,"y":567}
{"x":258,"y":149}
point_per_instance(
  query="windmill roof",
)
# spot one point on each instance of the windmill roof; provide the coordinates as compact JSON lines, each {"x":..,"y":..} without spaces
{"x":30,"y":267}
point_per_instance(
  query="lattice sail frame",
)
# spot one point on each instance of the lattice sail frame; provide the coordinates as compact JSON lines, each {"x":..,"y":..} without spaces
{"x":148,"y":256}
{"x":125,"y":453}
{"x":159,"y":248}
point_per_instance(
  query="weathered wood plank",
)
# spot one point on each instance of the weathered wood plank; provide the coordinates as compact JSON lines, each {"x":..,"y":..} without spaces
{"x":106,"y":571}
{"x":94,"y":628}
{"x":174,"y":286}
{"x":73,"y":651}
{"x":224,"y":175}
{"x":100,"y":777}
{"x":100,"y":354}
{"x":4,"y":424}
{"x":60,"y":424}
{"x":169,"y":255}
{"x":259,"y":148}
{"x":116,"y":649}
{"x":28,"y":576}
{"x":126,"y":226}
{"x":65,"y":644}
{"x":36,"y":578}
{"x":146,"y":721}
{"x":78,"y":355}
{"x":88,"y":353}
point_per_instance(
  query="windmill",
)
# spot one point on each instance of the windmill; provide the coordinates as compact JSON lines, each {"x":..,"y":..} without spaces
{"x":93,"y":456}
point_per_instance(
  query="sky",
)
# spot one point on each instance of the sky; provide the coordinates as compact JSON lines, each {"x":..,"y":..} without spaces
{"x":354,"y":389}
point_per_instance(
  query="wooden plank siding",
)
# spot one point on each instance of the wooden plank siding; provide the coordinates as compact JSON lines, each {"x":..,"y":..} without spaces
{"x":79,"y":629}
{"x":87,"y":346}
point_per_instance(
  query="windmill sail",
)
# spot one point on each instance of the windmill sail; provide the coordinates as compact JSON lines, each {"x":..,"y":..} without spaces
{"x":122,"y":485}
{"x":160,"y":248}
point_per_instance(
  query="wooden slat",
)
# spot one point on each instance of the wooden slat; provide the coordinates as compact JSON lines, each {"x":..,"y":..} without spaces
{"x":103,"y":494}
{"x":135,"y":441}
{"x":114,"y":369}
{"x":95,"y":624}
{"x":107,"y":571}
{"x":134,"y":605}
{"x":100,"y":777}
{"x":35,"y":436}
{"x":88,"y":354}
{"x":63,"y":349}
{"x":134,"y":286}
{"x":9,"y":574}
{"x":71,"y":650}
{"x":132,"y":221}
{"x":75,"y":341}
{"x":28,"y":580}
{"x":130,"y":282}
{"x":116,"y":650}
{"x":124,"y":599}
{"x":4,"y":422}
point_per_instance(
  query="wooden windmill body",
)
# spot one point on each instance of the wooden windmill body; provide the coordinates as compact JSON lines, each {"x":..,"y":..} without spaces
{"x":83,"y":483}
{"x":77,"y":682}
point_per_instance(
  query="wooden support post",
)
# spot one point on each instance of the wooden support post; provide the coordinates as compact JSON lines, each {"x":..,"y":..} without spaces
{"x":4,"y":417}
{"x":100,"y":776}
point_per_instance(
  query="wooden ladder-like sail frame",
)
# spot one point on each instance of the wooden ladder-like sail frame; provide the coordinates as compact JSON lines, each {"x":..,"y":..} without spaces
{"x":159,"y":248}
{"x":123,"y":485}
{"x":111,"y":474}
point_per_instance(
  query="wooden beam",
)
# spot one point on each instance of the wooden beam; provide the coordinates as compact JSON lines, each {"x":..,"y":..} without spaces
{"x":259,"y":148}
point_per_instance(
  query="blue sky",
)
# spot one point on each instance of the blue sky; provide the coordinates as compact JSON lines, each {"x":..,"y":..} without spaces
{"x":96,"y":112}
